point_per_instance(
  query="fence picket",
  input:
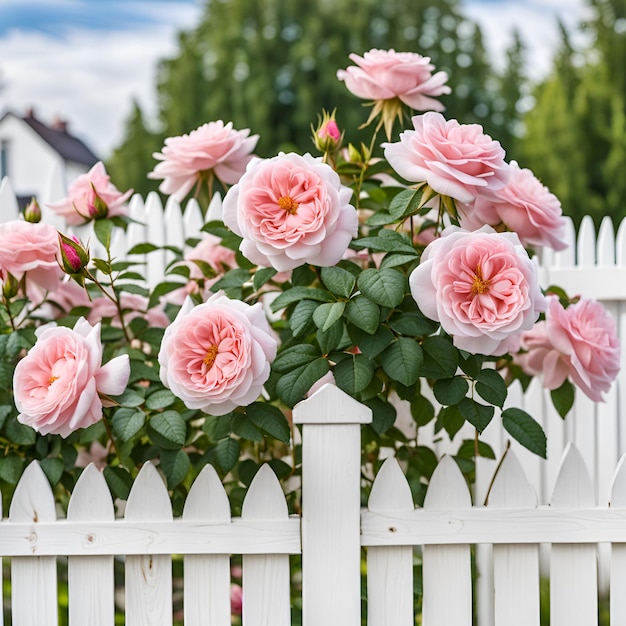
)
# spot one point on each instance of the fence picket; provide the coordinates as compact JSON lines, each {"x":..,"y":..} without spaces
{"x":9,"y":209}
{"x":617,"y":597}
{"x":605,"y":245}
{"x":266,"y":586}
{"x":207,"y":577}
{"x":446,"y":570}
{"x":155,"y":234}
{"x":90,"y":578}
{"x":33,"y":577}
{"x":573,"y":568}
{"x":390,"y":569}
{"x":148,"y":577}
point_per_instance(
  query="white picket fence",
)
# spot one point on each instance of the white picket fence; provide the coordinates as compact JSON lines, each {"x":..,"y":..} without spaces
{"x":329,"y":534}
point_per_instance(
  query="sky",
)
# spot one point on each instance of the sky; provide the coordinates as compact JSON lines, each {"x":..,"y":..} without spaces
{"x":87,"y":60}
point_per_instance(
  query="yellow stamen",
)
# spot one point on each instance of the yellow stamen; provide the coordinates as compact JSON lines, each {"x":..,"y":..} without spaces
{"x":210,"y":357}
{"x":480,"y":284}
{"x":288,"y":204}
{"x":52,"y":379}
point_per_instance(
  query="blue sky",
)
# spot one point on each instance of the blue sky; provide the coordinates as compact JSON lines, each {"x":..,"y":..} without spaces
{"x":87,"y":60}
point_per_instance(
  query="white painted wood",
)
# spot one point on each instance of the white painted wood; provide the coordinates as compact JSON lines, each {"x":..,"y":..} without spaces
{"x":33,"y":577}
{"x":515,"y":567}
{"x":148,"y":577}
{"x":90,"y":578}
{"x":446,"y":570}
{"x":193,"y":219}
{"x":265,"y":583}
{"x":155,"y":234}
{"x":586,"y":243}
{"x":573,"y":568}
{"x":207,"y":578}
{"x":390,"y":569}
{"x":605,"y":246}
{"x":618,"y":551}
{"x":331,"y":501}
{"x":173,"y":227}
{"x":9,"y":208}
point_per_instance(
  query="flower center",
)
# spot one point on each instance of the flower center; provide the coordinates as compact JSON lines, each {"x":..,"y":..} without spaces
{"x":288,"y":204}
{"x":480,"y":285}
{"x":210,"y":357}
{"x":52,"y":379}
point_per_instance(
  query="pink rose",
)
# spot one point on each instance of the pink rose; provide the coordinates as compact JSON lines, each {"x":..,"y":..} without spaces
{"x":216,"y":356}
{"x":209,"y":250}
{"x":214,"y":146}
{"x":90,"y":196}
{"x":525,"y":206}
{"x":291,"y":210}
{"x":480,"y":286}
{"x":57,"y":385}
{"x":236,"y":599}
{"x":387,"y":74}
{"x":456,"y":160}
{"x":33,"y":248}
{"x":579,"y":341}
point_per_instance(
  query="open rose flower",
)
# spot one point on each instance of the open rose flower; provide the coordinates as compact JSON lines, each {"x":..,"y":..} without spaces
{"x":291,"y":210}
{"x":58,"y":385}
{"x":216,"y":356}
{"x":579,"y":342}
{"x":525,"y":206}
{"x":480,"y":286}
{"x":214,"y":147}
{"x":30,"y":248}
{"x":456,"y":160}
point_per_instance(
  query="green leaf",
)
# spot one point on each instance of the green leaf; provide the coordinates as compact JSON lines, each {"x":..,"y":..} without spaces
{"x":244,"y":428}
{"x":491,"y":387}
{"x":330,"y":339}
{"x":363,"y":313}
{"x":406,"y":203}
{"x":160,"y":399}
{"x":328,"y":313}
{"x":160,"y":290}
{"x":402,"y":361}
{"x":380,"y":218}
{"x":168,"y":429}
{"x":385,"y":287}
{"x":270,"y":419}
{"x":103,"y":229}
{"x":302,"y":276}
{"x":292,"y":386}
{"x":218,"y":426}
{"x":175,"y":465}
{"x":450,"y":390}
{"x":130,"y":398}
{"x":233,"y":278}
{"x":262,"y":275}
{"x":53,"y":469}
{"x":467,"y":449}
{"x":524,"y":429}
{"x":422,"y":410}
{"x":301,"y":320}
{"x":141,"y":371}
{"x":471,"y":364}
{"x":383,"y":414}
{"x":394,"y":260}
{"x":19,"y":433}
{"x":5,"y":411}
{"x":119,"y":481}
{"x":441,"y":358}
{"x":11,"y":467}
{"x":295,"y":294}
{"x":450,"y":419}
{"x":354,"y":373}
{"x":294,"y":357}
{"x":386,"y":241}
{"x":478,"y":415}
{"x":413,"y":324}
{"x":563,"y":398}
{"x":227,"y":453}
{"x":127,"y":422}
{"x":372,"y":345}
{"x":143,"y":248}
{"x":338,"y":281}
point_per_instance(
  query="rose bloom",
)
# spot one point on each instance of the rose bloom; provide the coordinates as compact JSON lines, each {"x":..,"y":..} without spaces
{"x":480,"y":286}
{"x":525,"y":206}
{"x":290,"y":210}
{"x":236,"y":599}
{"x":209,"y":250}
{"x":387,"y":74}
{"x":214,"y":146}
{"x":58,"y":384}
{"x":456,"y":160}
{"x":216,"y":356}
{"x":30,"y":248}
{"x":81,"y":204}
{"x":579,"y":341}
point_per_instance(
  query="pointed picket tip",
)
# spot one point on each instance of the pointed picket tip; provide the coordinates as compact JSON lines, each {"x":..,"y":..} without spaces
{"x":136,"y":207}
{"x":148,"y":498}
{"x":172,"y":207}
{"x":8,"y":202}
{"x":265,"y":498}
{"x":391,"y":490}
{"x":207,"y":499}
{"x":33,"y":500}
{"x":511,"y":487}
{"x":573,"y":485}
{"x":153,"y":203}
{"x":331,"y":405}
{"x":91,"y":499}
{"x":605,"y":245}
{"x":620,"y":244}
{"x":618,"y":486}
{"x":447,"y":488}
{"x":214,"y":210}
{"x":567,"y":257}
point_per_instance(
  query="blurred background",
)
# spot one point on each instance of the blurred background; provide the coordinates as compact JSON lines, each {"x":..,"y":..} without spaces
{"x":546,"y":78}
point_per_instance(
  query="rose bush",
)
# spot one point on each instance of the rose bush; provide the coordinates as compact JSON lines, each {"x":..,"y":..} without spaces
{"x":402,"y":272}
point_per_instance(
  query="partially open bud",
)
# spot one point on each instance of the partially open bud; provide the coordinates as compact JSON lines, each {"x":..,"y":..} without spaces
{"x":32,"y":212}
{"x":10,"y":285}
{"x":327,"y":137}
{"x":74,"y":256}
{"x":98,"y":208}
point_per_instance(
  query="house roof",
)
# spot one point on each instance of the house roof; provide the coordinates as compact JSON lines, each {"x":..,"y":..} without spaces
{"x":56,"y":135}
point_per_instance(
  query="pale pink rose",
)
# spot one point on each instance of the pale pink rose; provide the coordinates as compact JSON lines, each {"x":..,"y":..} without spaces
{"x":579,"y":341}
{"x":209,"y":250}
{"x":58,"y":384}
{"x":387,"y":74}
{"x":30,"y":248}
{"x":67,"y":295}
{"x":236,"y":599}
{"x":216,"y":356}
{"x":480,"y":286}
{"x":133,"y":305}
{"x":214,"y":146}
{"x":85,"y":195}
{"x":456,"y":160}
{"x":290,"y":210}
{"x":525,"y":206}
